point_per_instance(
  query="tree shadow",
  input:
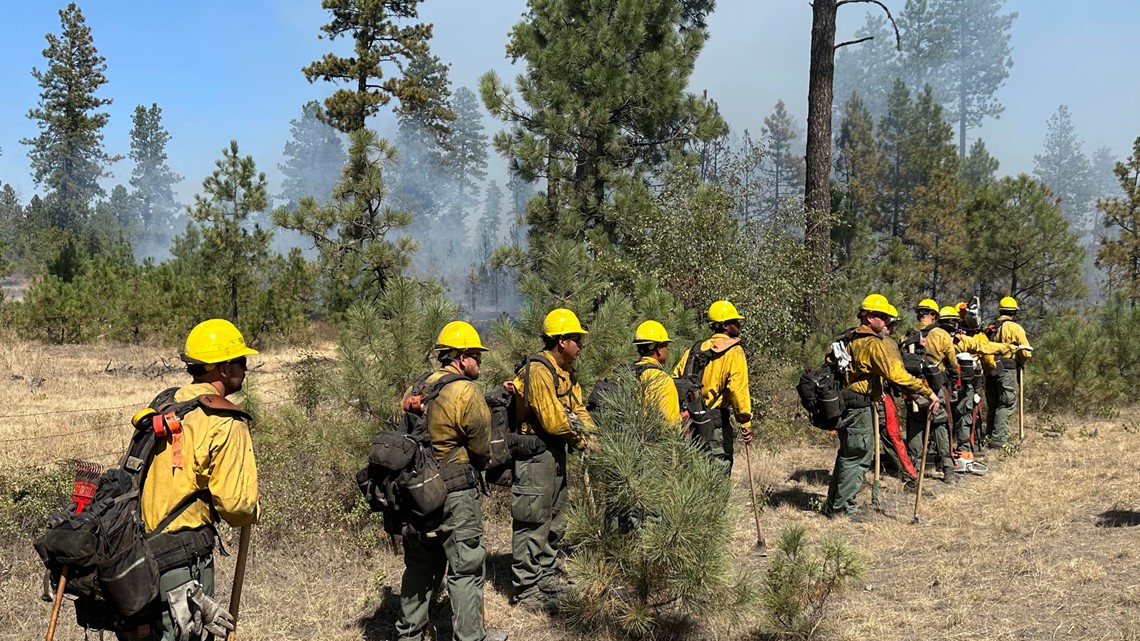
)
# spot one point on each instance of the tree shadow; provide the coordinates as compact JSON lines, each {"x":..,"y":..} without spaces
{"x":499,"y":572}
{"x":381,"y":624}
{"x":1118,"y":518}
{"x":811,"y":477}
{"x":795,"y":497}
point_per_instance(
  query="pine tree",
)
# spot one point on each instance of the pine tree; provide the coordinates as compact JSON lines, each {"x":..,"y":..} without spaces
{"x":429,"y":106}
{"x":938,"y":235}
{"x":925,"y":44}
{"x":1119,"y":253}
{"x":379,"y":44}
{"x":235,"y":253}
{"x":979,"y":167}
{"x":977,"y":59}
{"x":783,"y":164}
{"x":1064,"y":167}
{"x":313,"y":158}
{"x":468,"y":146}
{"x":598,"y":112}
{"x":859,"y":170}
{"x":152,"y":178}
{"x":870,"y":68}
{"x":355,"y":255}
{"x":487,"y":232}
{"x":67,"y":156}
{"x":1023,"y":246}
{"x":859,"y":165}
{"x":893,"y":130}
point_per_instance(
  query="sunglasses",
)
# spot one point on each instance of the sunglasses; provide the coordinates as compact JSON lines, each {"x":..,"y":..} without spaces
{"x":576,"y":339}
{"x":476,"y":356}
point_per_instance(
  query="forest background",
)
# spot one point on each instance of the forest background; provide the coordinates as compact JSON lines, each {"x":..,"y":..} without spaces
{"x":628,"y":193}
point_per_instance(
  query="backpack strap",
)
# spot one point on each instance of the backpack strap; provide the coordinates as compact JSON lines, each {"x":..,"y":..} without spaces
{"x":183,"y":505}
{"x":430,"y":392}
{"x":539,"y":358}
{"x":641,"y":368}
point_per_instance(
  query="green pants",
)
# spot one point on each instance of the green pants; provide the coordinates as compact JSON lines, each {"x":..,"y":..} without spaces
{"x":719,"y":446}
{"x":161,"y":626}
{"x":1001,"y":403}
{"x":964,"y":418}
{"x":854,"y":458}
{"x":456,"y":548}
{"x":538,"y":498}
{"x":939,"y":435}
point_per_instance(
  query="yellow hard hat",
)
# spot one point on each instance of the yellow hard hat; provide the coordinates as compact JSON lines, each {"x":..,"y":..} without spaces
{"x":561,"y":322}
{"x":927,"y":304}
{"x":723,"y":311}
{"x":214,"y":341}
{"x":1007,"y":303}
{"x":651,"y":332}
{"x":458,"y":335}
{"x":949,"y":312}
{"x":893,"y":311}
{"x":876,"y":303}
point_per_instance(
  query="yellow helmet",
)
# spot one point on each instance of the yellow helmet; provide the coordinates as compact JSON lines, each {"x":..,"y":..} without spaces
{"x":876,"y":303}
{"x":894,"y":312}
{"x":561,"y":322}
{"x":214,"y":341}
{"x":949,"y":313}
{"x":458,"y":335}
{"x":927,"y":304}
{"x":1007,"y":304}
{"x":723,"y":311}
{"x":651,"y":332}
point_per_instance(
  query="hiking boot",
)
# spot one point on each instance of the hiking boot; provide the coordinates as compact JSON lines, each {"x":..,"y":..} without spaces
{"x":535,"y":600}
{"x":496,"y":635}
{"x":948,"y":475}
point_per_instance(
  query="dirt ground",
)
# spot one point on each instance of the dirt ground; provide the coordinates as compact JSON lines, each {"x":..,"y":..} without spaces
{"x":1040,"y":548}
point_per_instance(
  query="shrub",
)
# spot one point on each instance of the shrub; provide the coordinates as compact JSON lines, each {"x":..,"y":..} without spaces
{"x":801,"y":581}
{"x":651,"y":529}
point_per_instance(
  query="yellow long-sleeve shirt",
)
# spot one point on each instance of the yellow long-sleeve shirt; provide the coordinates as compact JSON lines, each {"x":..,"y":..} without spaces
{"x":660,"y":390}
{"x":460,"y":421}
{"x":872,"y":360}
{"x":725,"y":381}
{"x":552,"y":401}
{"x":940,"y":349}
{"x":1010,"y":333}
{"x":217,"y":455}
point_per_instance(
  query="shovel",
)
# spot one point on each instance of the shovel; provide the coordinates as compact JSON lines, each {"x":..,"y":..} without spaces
{"x":1020,"y":403}
{"x":922,"y":466}
{"x":761,"y":545}
{"x":239,"y":579}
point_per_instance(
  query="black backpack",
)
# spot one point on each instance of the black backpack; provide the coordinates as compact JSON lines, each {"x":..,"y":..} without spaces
{"x":821,"y":394}
{"x":113,"y":564}
{"x":913,"y":352}
{"x":690,"y":390}
{"x":507,"y":443}
{"x":606,"y":387}
{"x":403,"y":478}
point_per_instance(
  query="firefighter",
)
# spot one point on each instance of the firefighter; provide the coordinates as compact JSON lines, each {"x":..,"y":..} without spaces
{"x":929,"y":353}
{"x":183,"y":500}
{"x":1003,"y":375}
{"x":894,"y":453}
{"x":550,"y":405}
{"x":964,"y":393}
{"x":724,"y":384}
{"x":652,"y":343}
{"x":870,"y":361}
{"x":459,"y":424}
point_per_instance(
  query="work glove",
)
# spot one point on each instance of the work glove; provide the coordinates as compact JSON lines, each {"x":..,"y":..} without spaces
{"x":195,"y":615}
{"x":746,"y":435}
{"x":1025,"y":348}
{"x":933,"y":398}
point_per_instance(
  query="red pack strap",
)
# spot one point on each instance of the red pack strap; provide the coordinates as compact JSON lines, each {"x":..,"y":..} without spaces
{"x":169,"y":425}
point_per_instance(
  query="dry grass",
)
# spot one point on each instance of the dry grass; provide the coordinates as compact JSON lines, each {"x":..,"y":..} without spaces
{"x":1040,"y":548}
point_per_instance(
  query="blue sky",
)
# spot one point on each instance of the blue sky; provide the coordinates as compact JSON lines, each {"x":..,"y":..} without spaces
{"x":223,"y":70}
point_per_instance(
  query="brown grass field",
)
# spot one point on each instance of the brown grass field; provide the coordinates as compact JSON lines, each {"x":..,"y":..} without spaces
{"x":1043,"y":547}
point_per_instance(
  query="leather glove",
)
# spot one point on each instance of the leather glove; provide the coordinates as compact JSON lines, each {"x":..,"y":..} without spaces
{"x":212,"y":616}
{"x":1025,"y":348}
{"x":196,"y":615}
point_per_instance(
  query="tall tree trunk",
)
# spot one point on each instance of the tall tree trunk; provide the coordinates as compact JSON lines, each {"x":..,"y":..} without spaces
{"x":817,"y":176}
